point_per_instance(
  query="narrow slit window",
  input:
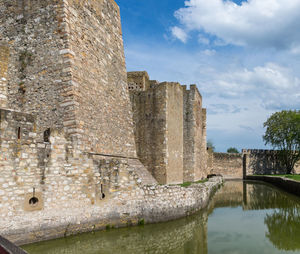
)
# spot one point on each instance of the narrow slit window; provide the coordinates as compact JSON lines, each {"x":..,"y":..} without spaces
{"x":47,"y":134}
{"x":19,"y":133}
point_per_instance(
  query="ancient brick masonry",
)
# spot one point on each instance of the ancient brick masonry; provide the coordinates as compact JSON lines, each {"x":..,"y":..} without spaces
{"x":170,"y":128}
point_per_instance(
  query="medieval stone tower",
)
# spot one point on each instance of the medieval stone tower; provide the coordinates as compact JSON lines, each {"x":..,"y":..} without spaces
{"x":170,"y":128}
{"x":63,"y":61}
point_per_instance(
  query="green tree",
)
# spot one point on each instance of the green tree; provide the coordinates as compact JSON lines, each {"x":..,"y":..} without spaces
{"x":210,"y":145}
{"x":232,"y":150}
{"x":283,"y":133}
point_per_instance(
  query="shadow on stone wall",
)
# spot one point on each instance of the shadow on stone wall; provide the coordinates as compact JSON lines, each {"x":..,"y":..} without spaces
{"x":267,"y":162}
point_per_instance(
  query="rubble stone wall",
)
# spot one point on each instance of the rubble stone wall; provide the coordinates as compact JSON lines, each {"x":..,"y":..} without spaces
{"x":229,"y":165}
{"x":33,"y":33}
{"x":264,"y":162}
{"x":54,"y":174}
{"x":152,"y":204}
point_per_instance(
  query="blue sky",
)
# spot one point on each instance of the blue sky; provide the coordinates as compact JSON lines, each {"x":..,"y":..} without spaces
{"x":244,"y":57}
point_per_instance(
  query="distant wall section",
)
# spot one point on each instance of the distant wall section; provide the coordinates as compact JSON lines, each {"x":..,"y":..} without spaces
{"x":150,"y":119}
{"x":264,"y":162}
{"x":229,"y":165}
{"x":170,"y":128}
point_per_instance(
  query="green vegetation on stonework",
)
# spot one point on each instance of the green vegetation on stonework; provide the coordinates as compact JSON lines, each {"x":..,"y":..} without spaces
{"x":141,"y":222}
{"x":187,"y":184}
{"x":210,"y":145}
{"x":293,"y":177}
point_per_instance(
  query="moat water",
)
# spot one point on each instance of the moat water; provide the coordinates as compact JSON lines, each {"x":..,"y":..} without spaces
{"x":242,"y":218}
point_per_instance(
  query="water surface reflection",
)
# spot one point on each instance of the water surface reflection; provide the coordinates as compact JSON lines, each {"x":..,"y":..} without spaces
{"x":243,"y":217}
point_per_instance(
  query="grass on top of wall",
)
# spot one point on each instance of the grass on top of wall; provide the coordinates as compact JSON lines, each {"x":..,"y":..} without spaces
{"x":293,"y":177}
{"x":187,"y":184}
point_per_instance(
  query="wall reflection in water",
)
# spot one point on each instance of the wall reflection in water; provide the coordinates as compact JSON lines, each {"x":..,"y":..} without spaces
{"x":280,"y":211}
{"x":187,"y":235}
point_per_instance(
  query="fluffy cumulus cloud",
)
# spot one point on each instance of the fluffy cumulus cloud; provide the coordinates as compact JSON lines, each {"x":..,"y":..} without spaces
{"x":274,"y":86}
{"x":259,"y":23}
{"x":179,"y":33}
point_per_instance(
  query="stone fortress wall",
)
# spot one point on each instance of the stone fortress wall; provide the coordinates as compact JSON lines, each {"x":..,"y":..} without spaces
{"x":229,"y":165}
{"x":170,"y":128}
{"x":70,"y":154}
{"x":249,"y":162}
{"x":264,"y":162}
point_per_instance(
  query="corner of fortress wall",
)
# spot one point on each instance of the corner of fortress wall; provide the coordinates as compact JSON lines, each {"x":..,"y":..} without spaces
{"x":170,"y":128}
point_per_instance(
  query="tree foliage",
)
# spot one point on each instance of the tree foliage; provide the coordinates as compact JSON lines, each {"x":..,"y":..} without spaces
{"x":210,"y":145}
{"x":232,"y":150}
{"x":283,"y":133}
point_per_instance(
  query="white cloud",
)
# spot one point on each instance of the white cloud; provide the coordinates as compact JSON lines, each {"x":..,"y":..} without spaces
{"x":179,"y":33}
{"x":203,"y":40}
{"x":209,"y":52}
{"x":263,"y":23}
{"x":272,"y":85}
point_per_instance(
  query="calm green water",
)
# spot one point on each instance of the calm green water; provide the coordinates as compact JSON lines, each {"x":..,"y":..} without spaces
{"x":242,"y":218}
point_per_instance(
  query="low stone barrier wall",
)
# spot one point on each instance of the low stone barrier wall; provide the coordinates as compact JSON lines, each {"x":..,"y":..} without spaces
{"x":149,"y":204}
{"x":286,"y":184}
{"x":229,"y":165}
